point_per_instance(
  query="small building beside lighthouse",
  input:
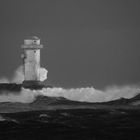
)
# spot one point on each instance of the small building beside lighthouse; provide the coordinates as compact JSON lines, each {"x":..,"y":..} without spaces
{"x":31,"y":61}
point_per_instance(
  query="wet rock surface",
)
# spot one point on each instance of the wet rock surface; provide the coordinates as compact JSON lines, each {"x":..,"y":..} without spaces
{"x":13,"y":87}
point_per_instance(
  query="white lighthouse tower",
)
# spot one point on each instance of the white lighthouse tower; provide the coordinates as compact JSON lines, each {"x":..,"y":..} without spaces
{"x":31,"y":61}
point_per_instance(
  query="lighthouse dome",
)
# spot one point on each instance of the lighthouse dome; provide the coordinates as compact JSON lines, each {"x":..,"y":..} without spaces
{"x":34,"y":38}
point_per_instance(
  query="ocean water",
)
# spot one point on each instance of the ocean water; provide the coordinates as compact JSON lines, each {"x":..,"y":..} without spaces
{"x":71,"y":124}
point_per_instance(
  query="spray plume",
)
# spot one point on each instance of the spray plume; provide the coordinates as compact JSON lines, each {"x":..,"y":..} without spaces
{"x":18,"y":77}
{"x":43,"y":74}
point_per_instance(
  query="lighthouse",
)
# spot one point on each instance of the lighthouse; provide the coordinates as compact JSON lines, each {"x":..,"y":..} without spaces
{"x":31,"y":61}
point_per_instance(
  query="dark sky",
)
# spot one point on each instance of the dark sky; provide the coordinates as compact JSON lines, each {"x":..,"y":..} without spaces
{"x":87,"y":42}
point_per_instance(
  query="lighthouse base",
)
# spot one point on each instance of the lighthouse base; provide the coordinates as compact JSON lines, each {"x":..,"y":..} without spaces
{"x":33,"y":85}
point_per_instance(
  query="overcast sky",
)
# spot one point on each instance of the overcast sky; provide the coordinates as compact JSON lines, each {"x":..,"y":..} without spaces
{"x":86,"y":42}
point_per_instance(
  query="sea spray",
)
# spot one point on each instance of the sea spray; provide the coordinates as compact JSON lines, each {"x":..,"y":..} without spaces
{"x":88,"y":94}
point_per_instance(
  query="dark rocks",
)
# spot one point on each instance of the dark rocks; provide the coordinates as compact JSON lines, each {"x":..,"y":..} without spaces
{"x":10,"y":87}
{"x":17,"y":87}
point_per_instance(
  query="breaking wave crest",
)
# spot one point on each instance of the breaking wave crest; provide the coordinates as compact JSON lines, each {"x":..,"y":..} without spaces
{"x":88,"y":94}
